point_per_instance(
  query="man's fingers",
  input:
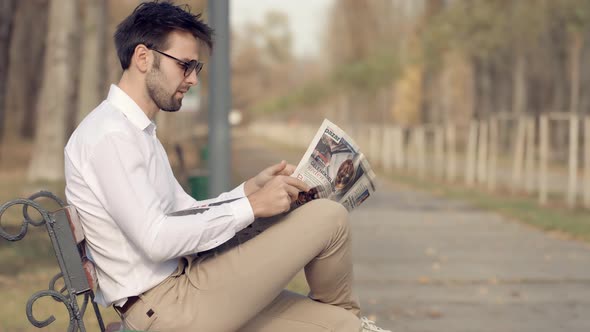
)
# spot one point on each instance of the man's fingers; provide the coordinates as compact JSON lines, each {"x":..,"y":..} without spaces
{"x":293,"y":193}
{"x":288,"y":170}
{"x":302,"y":186}
{"x":277,"y":168}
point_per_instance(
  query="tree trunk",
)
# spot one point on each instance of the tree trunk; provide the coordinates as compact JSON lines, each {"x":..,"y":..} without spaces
{"x":559,"y":130}
{"x":7,"y":11}
{"x":27,"y":47}
{"x":576,"y":44}
{"x":519,"y":98}
{"x":93,"y":60}
{"x":57,"y":92}
{"x":485,"y":93}
{"x":114,"y":69}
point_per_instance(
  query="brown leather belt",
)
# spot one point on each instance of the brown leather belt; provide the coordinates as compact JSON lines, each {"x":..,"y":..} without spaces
{"x":130,"y":302}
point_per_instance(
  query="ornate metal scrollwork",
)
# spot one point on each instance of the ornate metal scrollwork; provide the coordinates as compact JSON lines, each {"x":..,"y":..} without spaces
{"x":57,"y":297}
{"x":25,"y":223}
{"x":40,"y":194}
{"x":64,"y":292}
{"x":54,"y":280}
{"x":62,"y":295}
{"x":27,"y":219}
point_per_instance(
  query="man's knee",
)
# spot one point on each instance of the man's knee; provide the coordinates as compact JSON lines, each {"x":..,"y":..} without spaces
{"x":330,"y":213}
{"x":348,"y":323}
{"x":342,"y":320}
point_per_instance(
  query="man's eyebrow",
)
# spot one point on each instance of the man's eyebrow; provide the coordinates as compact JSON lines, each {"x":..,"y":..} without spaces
{"x":186,"y":59}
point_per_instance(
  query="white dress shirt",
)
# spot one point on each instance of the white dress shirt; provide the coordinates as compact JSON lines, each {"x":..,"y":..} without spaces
{"x":119,"y":179}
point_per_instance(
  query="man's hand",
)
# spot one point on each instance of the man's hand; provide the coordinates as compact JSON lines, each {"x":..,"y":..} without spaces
{"x":276,"y":196}
{"x":257,"y":182}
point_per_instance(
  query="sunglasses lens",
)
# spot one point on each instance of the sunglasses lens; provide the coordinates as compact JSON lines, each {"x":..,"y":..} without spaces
{"x":189,"y":68}
{"x":193,"y":65}
{"x":198,"y":67}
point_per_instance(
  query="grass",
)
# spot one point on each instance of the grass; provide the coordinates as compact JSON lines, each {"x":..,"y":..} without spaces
{"x":574,"y":223}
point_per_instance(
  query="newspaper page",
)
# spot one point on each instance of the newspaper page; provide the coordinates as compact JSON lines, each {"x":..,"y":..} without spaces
{"x":335,"y":168}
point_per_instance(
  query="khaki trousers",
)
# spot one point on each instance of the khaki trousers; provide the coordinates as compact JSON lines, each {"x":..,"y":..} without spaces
{"x":241,"y":288}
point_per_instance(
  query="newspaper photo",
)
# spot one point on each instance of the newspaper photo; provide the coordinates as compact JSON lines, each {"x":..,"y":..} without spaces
{"x":335,"y":168}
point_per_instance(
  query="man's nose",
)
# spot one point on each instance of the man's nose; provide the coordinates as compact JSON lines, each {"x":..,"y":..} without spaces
{"x":192,"y":78}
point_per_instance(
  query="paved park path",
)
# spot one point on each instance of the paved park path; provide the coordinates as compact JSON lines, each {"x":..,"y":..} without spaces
{"x":428,"y":264}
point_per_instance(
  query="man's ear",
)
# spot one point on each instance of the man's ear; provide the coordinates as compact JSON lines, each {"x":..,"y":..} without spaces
{"x":141,"y":58}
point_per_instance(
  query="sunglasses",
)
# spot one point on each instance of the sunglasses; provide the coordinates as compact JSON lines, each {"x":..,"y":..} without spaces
{"x":188,"y":66}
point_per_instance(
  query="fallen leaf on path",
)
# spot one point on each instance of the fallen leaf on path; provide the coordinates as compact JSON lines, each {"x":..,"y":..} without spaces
{"x":430,"y":251}
{"x":424,"y":280}
{"x":434,"y":314}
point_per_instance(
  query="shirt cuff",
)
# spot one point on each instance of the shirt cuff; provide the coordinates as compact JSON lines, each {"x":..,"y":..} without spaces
{"x":239,"y":191}
{"x":242,"y":211}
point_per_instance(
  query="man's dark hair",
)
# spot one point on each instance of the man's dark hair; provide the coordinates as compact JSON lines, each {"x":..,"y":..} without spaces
{"x":151,"y":22}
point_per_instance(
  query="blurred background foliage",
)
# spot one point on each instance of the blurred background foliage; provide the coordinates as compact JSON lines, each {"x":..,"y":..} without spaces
{"x":384,"y":61}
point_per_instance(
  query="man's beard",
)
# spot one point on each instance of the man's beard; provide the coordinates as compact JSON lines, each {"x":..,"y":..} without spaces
{"x":165,"y":101}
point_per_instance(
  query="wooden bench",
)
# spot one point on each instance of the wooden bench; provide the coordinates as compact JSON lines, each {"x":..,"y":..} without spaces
{"x":77,"y":271}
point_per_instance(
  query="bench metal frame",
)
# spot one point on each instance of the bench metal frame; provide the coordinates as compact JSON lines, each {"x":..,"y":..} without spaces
{"x":69,"y":257}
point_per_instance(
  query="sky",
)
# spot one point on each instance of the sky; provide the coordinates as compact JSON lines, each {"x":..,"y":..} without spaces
{"x":306,"y":19}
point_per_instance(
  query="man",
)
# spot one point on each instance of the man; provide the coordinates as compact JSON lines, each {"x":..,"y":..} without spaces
{"x":158,"y":270}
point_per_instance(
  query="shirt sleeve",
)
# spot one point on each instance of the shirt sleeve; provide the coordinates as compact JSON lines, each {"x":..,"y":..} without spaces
{"x":117,"y":174}
{"x":184,"y":201}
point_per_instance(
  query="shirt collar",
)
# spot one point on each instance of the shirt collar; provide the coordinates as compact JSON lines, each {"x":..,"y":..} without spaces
{"x":130,"y":109}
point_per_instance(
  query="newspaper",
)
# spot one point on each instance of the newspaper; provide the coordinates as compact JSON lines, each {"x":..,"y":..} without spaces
{"x":335,"y":168}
